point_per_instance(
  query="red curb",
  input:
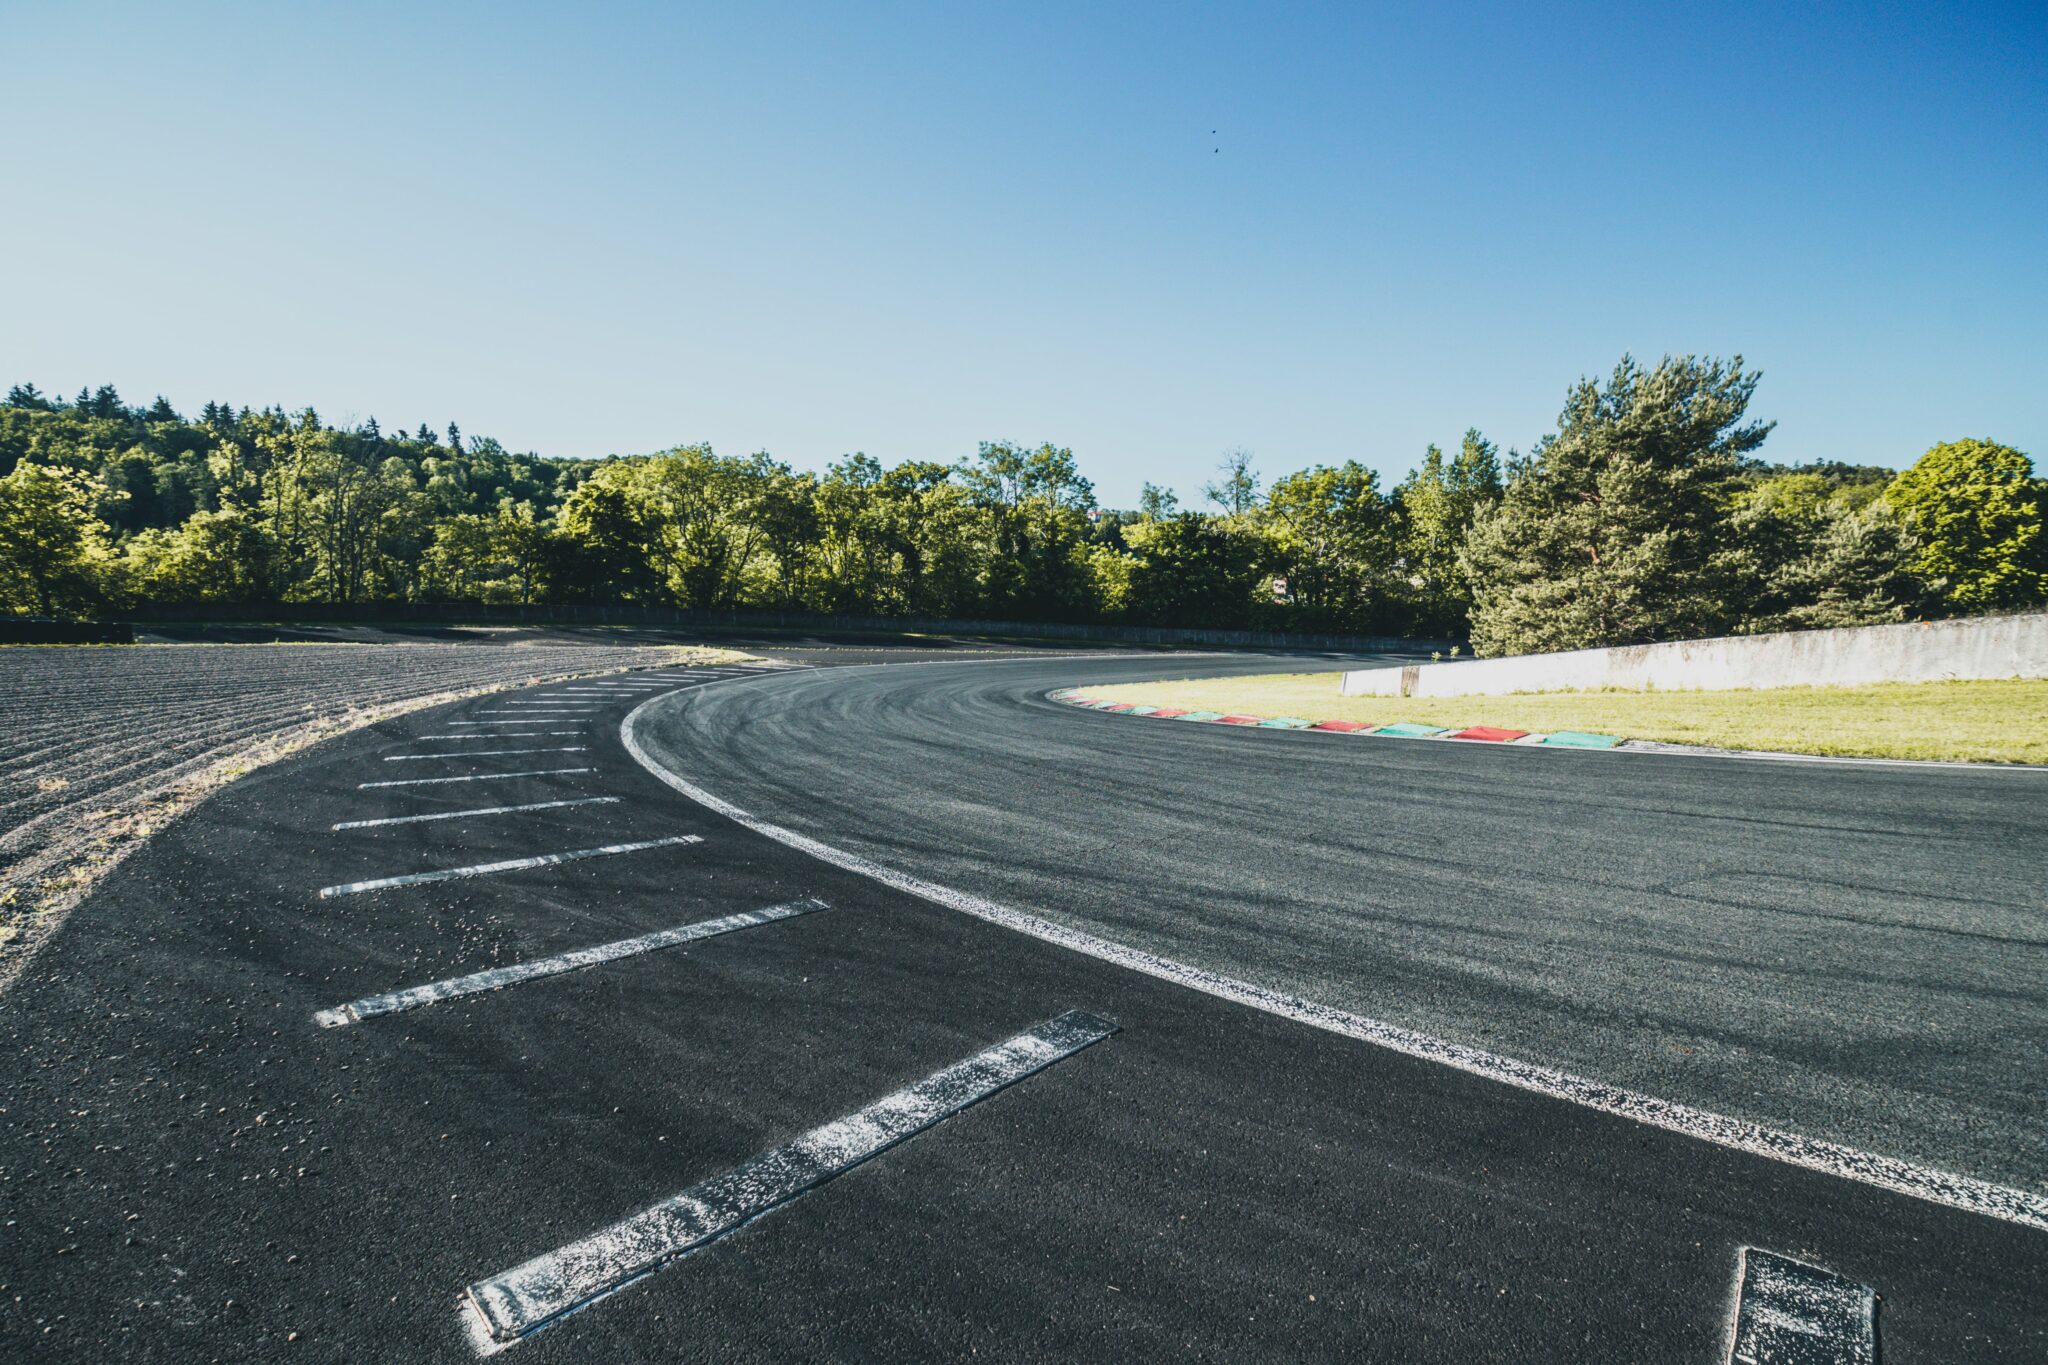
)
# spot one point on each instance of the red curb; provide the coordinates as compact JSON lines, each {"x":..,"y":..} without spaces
{"x":1169,"y":712}
{"x":1236,"y":720}
{"x":1492,"y":732}
{"x":1344,"y":727}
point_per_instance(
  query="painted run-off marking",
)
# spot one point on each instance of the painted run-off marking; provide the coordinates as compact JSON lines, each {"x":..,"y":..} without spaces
{"x":526,"y":1298}
{"x":1903,"y":1177}
{"x":489,"y":753}
{"x":472,"y":777}
{"x":503,"y":734}
{"x":508,"y":865}
{"x":530,"y":720}
{"x":497,"y":978}
{"x":481,"y":810}
{"x":1790,"y":1313}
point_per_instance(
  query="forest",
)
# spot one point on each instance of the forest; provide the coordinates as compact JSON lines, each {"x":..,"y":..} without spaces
{"x":1648,"y":514}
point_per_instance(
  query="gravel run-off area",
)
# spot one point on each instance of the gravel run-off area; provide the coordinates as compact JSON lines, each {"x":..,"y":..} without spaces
{"x":101,"y":745}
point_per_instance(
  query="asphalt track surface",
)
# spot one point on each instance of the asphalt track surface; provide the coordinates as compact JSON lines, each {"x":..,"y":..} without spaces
{"x":1858,"y":953}
{"x":194,"y":1169}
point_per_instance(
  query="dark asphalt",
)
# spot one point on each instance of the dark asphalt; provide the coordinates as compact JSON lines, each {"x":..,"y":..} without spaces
{"x":191,"y":1170}
{"x":1852,"y":953}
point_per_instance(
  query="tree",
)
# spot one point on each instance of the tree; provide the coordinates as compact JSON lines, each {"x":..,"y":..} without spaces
{"x":1237,"y":492}
{"x":1976,"y":510}
{"x":28,"y":396}
{"x":1036,"y":508}
{"x":1605,"y":535}
{"x":1808,"y":549}
{"x":1156,"y":503}
{"x":53,"y":549}
{"x":1192,"y":570}
{"x":1333,"y":535}
{"x":1437,"y":505}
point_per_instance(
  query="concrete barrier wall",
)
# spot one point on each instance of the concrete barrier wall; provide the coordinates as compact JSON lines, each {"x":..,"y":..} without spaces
{"x":1932,"y":651}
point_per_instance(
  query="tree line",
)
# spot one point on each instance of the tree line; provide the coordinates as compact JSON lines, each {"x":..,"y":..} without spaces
{"x":1647,"y":515}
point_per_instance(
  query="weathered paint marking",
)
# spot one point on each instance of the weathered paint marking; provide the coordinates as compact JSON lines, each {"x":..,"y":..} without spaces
{"x":530,"y":720}
{"x":481,"y":810}
{"x":503,"y":734}
{"x":508,"y":865}
{"x":1790,"y":1313}
{"x":526,"y":1298}
{"x":497,"y":978}
{"x":473,"y":777}
{"x":489,"y":753}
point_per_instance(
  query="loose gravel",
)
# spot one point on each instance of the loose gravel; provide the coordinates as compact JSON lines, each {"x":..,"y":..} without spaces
{"x":100,"y":746}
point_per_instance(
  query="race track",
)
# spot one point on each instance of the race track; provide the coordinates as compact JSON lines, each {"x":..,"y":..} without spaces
{"x":1851,"y":952}
{"x":424,"y":1043}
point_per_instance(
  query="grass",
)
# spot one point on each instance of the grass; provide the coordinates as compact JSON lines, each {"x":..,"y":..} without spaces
{"x":1987,"y":722}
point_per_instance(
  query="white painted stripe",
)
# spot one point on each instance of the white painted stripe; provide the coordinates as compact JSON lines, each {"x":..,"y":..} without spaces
{"x":554,"y":705}
{"x":508,"y":865}
{"x":482,"y":810}
{"x":355,"y":1011}
{"x":489,"y":753}
{"x":503,"y":734}
{"x":1790,"y":1313}
{"x":473,"y":777}
{"x":526,"y":1298}
{"x":530,"y":720}
{"x":1892,"y":1173}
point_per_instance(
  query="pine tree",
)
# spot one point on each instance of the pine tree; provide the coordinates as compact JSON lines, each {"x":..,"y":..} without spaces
{"x":1605,"y":536}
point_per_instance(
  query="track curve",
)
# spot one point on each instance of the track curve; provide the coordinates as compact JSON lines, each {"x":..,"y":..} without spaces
{"x":1851,"y":953}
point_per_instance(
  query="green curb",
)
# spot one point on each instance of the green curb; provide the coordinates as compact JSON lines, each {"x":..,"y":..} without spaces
{"x":1284,"y":723}
{"x":1141,"y":710}
{"x":1410,"y":730}
{"x":1201,"y":715}
{"x":1579,"y":739}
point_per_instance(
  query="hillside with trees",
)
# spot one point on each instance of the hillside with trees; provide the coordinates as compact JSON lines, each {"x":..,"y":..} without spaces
{"x":1647,"y":515}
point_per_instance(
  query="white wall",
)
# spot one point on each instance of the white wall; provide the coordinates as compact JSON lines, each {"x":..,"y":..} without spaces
{"x":1931,"y":651}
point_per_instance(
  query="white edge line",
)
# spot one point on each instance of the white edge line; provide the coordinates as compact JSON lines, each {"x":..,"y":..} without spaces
{"x":1891,"y":1173}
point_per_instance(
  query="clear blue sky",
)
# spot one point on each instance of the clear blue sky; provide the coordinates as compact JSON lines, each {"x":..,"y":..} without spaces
{"x":903,"y":229}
